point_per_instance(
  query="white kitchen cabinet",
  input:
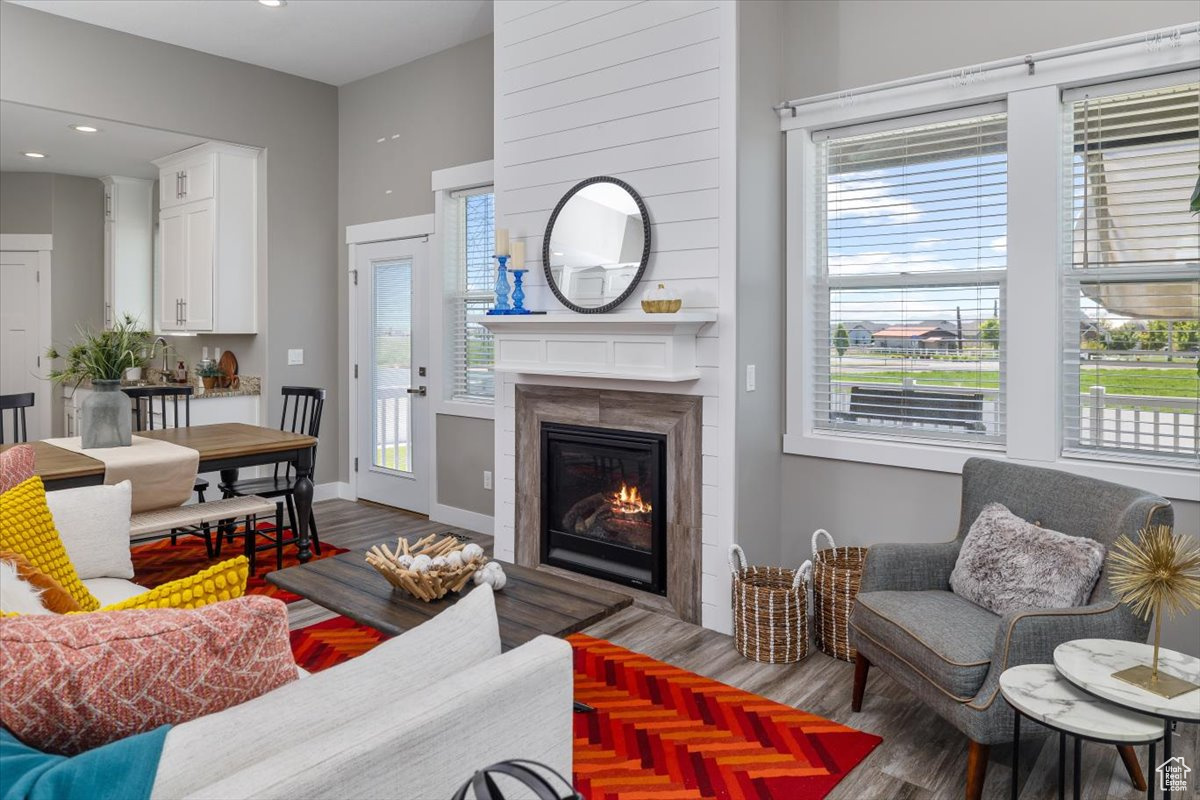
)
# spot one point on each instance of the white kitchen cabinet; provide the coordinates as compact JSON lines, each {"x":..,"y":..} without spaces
{"x":208,"y":272}
{"x":185,"y":296}
{"x":187,"y":177}
{"x":128,"y":249}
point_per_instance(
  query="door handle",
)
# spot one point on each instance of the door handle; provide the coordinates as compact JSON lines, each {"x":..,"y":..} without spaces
{"x":420,"y":391}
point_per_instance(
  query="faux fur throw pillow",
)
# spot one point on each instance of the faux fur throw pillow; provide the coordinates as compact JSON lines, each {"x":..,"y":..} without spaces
{"x":1007,"y":564}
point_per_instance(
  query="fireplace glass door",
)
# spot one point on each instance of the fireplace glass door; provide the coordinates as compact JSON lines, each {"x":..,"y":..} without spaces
{"x":604,"y":503}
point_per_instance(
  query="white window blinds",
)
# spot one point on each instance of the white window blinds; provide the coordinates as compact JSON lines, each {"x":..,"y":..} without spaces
{"x":470,"y":233}
{"x":1132,"y":274}
{"x":911,"y":255}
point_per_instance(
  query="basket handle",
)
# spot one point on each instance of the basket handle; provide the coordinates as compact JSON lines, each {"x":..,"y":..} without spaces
{"x":816,"y":534}
{"x":737,"y":558}
{"x":802,"y":575}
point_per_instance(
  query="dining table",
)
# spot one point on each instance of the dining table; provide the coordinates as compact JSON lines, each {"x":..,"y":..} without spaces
{"x":225,"y":448}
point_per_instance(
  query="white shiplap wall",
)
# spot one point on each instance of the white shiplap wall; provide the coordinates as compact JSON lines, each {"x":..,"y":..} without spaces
{"x":642,"y":91}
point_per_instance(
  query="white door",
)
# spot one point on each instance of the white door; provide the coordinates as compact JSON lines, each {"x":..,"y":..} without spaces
{"x":21,"y":342}
{"x":198,"y":301}
{"x":391,"y":453}
{"x":172,"y":279}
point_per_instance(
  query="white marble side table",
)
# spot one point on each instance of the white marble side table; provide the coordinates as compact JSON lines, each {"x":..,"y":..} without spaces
{"x":1038,"y":692}
{"x":1090,"y":663}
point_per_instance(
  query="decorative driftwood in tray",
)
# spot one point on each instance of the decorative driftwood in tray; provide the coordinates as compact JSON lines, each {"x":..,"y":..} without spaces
{"x":430,"y":567}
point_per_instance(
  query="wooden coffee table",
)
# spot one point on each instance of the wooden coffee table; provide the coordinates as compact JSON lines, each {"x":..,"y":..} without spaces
{"x":532,"y":603}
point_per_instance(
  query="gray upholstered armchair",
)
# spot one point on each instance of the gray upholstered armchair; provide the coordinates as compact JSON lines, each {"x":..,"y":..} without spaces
{"x":949,"y":651}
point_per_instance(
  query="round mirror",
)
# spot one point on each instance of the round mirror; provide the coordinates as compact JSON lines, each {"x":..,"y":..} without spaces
{"x":596,"y":246}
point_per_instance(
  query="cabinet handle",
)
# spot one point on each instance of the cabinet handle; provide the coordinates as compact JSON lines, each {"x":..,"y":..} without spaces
{"x":185,"y":183}
{"x":178,"y":191}
{"x":177,"y":302}
{"x":108,"y":205}
{"x":183,"y":319}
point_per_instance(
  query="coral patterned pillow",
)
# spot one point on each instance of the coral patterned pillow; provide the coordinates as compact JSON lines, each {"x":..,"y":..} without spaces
{"x":27,"y":527}
{"x":16,"y":466}
{"x":73,"y":682}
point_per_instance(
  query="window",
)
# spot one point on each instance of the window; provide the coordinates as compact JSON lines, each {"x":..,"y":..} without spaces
{"x":1131,"y":283}
{"x":910,"y":234}
{"x":470,"y":233}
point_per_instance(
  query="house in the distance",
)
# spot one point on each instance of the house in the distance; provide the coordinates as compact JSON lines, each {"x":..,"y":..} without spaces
{"x":917,"y":337}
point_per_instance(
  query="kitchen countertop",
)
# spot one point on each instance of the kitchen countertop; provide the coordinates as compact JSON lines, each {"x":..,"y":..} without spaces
{"x":249,"y":386}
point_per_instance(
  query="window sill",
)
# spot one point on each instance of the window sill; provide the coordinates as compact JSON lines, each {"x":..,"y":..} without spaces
{"x":1174,"y":483}
{"x":461,"y":408}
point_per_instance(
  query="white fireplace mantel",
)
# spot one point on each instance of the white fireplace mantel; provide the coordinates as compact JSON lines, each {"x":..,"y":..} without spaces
{"x":625,"y":345}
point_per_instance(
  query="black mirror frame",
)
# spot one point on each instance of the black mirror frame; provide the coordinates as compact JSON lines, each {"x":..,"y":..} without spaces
{"x":637,"y":198}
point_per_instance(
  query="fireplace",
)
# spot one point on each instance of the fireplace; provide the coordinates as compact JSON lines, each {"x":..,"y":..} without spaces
{"x":604,"y":502}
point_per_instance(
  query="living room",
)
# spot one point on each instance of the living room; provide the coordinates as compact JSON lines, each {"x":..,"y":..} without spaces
{"x":837,"y":355}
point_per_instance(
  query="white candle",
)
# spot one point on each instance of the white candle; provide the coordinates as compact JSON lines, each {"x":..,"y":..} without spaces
{"x":501,"y":241}
{"x":518,"y":255}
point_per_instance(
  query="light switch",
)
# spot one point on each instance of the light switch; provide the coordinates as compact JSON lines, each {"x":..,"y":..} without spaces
{"x":487,"y":479}
{"x":295,"y":357}
{"x":751,"y":378}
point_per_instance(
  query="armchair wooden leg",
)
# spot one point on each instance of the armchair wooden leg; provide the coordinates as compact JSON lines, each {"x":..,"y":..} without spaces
{"x":977,"y":761}
{"x":861,"y":665}
{"x":1129,"y":756}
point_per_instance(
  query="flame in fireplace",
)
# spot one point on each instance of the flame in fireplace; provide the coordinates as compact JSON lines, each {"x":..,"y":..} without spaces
{"x":628,"y":500}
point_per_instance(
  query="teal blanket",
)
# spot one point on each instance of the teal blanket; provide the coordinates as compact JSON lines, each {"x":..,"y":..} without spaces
{"x":121,"y":770}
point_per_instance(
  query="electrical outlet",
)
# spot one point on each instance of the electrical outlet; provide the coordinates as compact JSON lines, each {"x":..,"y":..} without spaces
{"x":751,"y":378}
{"x":295,"y":358}
{"x":487,"y":479}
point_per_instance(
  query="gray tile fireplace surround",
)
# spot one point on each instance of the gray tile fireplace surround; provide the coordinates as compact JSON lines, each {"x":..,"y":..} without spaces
{"x":676,"y":416}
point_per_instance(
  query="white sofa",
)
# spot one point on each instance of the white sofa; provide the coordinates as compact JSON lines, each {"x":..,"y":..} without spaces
{"x":413,"y":718}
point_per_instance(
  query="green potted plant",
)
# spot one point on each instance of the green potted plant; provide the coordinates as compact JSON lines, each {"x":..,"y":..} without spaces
{"x":210,"y":374}
{"x":102,"y":358}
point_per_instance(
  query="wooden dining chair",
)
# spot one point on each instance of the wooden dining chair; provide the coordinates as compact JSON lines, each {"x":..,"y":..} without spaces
{"x":16,"y":403}
{"x":302,"y":409}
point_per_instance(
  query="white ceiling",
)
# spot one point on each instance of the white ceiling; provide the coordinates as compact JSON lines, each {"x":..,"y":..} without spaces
{"x":118,"y":149}
{"x":333,"y":41}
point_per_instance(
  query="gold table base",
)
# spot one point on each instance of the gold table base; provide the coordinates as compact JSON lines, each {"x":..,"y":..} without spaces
{"x":1163,"y":685}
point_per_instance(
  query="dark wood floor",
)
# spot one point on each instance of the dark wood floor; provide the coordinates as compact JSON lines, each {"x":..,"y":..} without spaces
{"x":921,"y":758}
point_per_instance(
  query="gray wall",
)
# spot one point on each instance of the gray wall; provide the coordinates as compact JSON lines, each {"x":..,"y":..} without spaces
{"x":465,"y":447}
{"x":760,"y":296}
{"x":62,"y":64}
{"x":441,"y":107}
{"x":836,"y":46}
{"x":77,"y":263}
{"x":69,"y":208}
{"x":25,"y":202}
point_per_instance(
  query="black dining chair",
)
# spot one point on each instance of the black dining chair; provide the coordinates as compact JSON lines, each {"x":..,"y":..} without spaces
{"x":143,"y":410}
{"x":17,"y":403}
{"x":302,"y":408}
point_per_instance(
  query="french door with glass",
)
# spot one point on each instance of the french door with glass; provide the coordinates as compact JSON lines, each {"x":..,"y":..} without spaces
{"x":391,"y":455}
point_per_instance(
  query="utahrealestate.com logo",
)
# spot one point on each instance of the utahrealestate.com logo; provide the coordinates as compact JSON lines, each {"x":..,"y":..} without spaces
{"x":1173,"y":775}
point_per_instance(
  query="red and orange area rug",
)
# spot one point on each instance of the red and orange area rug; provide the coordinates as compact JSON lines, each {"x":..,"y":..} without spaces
{"x":658,"y":732}
{"x":664,"y":732}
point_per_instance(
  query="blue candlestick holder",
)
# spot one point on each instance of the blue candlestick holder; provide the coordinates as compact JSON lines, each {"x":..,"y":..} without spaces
{"x":501,"y":306}
{"x":518,"y":295}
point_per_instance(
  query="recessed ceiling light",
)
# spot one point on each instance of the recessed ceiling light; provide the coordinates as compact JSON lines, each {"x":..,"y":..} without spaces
{"x":85,"y":128}
{"x":32,"y":154}
{"x":273,"y":3}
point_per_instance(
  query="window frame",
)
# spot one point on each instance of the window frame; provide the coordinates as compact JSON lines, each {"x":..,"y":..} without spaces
{"x":1034,"y":287}
{"x":445,"y":183}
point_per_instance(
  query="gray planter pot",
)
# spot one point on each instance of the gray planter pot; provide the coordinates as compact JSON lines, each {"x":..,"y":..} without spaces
{"x":105,"y":419}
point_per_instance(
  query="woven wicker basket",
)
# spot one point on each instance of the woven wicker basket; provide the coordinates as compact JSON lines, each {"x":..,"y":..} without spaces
{"x":770,"y":610}
{"x":836,"y":574}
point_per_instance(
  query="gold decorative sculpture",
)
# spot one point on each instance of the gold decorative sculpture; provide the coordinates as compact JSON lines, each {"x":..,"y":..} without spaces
{"x":1160,"y":569}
